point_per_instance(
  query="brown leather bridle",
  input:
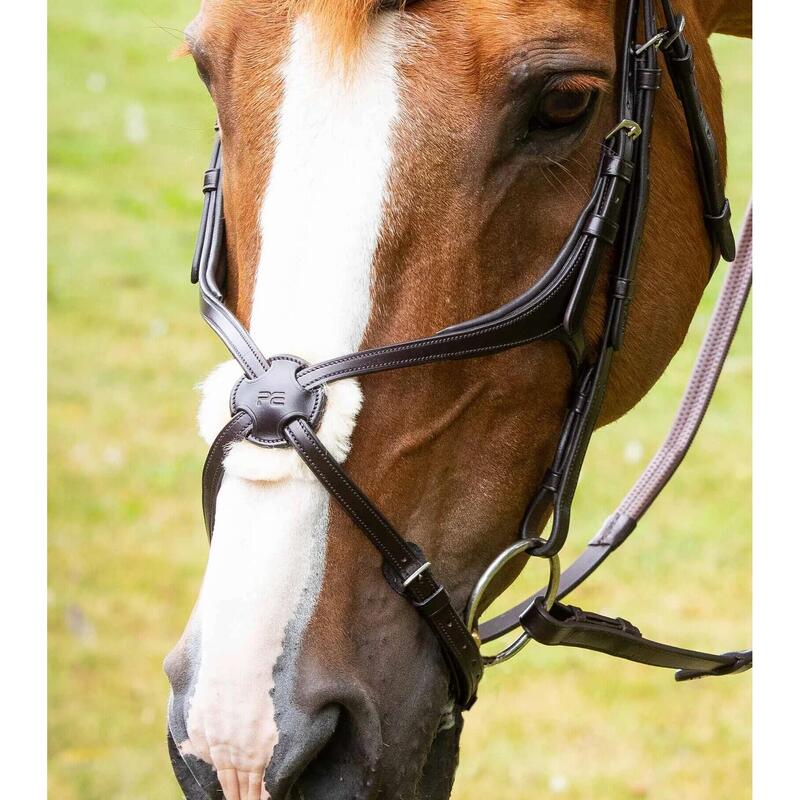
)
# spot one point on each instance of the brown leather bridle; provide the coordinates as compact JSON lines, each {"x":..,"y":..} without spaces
{"x":554,"y":308}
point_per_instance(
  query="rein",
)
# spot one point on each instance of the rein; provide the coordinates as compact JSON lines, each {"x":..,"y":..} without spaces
{"x":553,"y":308}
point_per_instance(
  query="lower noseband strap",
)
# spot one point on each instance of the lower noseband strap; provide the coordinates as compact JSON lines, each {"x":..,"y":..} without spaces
{"x":410,"y":573}
{"x":405,"y":567}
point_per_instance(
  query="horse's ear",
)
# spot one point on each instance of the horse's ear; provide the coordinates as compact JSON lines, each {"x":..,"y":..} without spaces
{"x":734,"y":17}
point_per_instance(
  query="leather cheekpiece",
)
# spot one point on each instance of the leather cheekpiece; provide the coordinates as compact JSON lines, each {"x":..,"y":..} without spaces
{"x":276,"y":398}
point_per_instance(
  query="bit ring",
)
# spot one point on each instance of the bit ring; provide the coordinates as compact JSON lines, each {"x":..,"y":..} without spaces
{"x":486,"y":580}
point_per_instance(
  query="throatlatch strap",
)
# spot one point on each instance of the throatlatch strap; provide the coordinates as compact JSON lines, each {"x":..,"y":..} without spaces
{"x":680,"y":63}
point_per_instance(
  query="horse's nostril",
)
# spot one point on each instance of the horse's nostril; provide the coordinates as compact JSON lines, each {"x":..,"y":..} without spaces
{"x":302,"y":740}
{"x":331,"y":758}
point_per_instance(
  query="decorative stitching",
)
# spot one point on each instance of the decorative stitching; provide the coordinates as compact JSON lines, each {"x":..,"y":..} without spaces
{"x":426,"y":358}
{"x":575,"y":259}
{"x":277,"y":441}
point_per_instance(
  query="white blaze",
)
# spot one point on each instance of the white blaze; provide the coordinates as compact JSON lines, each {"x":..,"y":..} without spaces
{"x":320,"y":222}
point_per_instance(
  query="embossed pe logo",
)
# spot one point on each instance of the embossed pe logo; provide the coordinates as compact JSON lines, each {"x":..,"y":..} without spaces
{"x":271,"y":399}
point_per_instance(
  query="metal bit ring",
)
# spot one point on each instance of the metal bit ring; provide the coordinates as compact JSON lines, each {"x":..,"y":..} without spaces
{"x":486,"y":580}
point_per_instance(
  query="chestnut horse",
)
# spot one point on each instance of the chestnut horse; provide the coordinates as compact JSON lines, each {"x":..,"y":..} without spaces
{"x":390,"y":171}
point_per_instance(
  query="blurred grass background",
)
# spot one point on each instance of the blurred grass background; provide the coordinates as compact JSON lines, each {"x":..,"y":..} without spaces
{"x":129,"y":138}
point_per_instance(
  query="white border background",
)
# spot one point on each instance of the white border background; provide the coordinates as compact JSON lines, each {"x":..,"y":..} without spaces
{"x":776,"y":117}
{"x":776,"y":420}
{"x":23,"y":401}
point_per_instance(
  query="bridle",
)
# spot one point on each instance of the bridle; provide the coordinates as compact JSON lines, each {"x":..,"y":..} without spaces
{"x":553,"y":308}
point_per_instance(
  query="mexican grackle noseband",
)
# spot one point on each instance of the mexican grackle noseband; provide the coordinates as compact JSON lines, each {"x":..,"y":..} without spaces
{"x":280,"y":400}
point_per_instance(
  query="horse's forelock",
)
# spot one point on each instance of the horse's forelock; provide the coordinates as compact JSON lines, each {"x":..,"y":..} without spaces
{"x":343,"y":23}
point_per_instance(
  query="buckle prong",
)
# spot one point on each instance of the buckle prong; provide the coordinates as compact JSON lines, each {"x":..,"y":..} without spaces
{"x":669,"y":39}
{"x":415,"y":574}
{"x":655,"y":41}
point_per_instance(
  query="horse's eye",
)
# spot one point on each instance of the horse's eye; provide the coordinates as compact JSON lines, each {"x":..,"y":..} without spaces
{"x":560,"y":108}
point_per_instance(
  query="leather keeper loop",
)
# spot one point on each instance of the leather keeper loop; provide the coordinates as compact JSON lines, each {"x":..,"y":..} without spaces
{"x":683,"y":66}
{"x":211,"y":180}
{"x":580,"y":403}
{"x":648,"y":79}
{"x":601,"y":228}
{"x":622,"y":288}
{"x":552,"y":481}
{"x":722,"y":219}
{"x":436,"y":602}
{"x":618,"y":167}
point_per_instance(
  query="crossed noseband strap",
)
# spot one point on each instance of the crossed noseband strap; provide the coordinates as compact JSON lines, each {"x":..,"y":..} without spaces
{"x":280,"y":401}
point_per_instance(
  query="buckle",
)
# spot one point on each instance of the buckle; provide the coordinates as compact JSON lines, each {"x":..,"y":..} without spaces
{"x":669,"y":39}
{"x":664,"y":39}
{"x":423,"y":605}
{"x":632,"y":129}
{"x":415,"y":574}
{"x":656,"y":41}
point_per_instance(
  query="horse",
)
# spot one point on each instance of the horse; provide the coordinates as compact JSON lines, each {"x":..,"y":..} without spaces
{"x":392,"y":168}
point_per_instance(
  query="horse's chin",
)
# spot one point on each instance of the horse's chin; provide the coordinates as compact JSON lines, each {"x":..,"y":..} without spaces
{"x":439,"y":771}
{"x":198,"y":781}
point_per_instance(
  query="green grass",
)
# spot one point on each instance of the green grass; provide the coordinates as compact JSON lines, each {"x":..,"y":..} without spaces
{"x":126,"y":542}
